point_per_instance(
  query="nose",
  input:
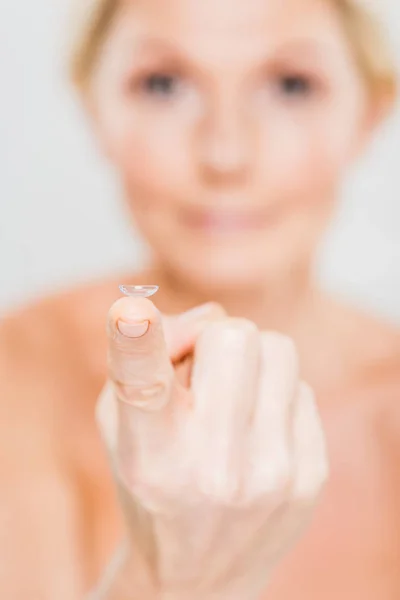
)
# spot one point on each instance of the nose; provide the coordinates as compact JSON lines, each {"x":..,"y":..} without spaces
{"x":225,"y":143}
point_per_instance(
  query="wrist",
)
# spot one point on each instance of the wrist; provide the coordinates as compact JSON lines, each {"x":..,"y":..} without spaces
{"x":128,"y":577}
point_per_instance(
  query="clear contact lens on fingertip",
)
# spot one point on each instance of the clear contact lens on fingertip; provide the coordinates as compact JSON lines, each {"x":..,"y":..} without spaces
{"x":139,"y":291}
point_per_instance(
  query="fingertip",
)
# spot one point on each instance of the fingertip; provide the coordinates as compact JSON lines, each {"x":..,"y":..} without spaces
{"x":129,"y":313}
{"x":217,"y":310}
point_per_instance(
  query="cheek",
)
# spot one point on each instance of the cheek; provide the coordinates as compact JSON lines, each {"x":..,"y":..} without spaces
{"x":307,"y":157}
{"x":151,"y":155}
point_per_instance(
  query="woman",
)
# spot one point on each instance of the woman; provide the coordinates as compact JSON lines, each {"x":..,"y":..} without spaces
{"x":231,"y":125}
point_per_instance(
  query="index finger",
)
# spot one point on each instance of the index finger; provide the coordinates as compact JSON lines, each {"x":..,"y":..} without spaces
{"x":138,"y":360}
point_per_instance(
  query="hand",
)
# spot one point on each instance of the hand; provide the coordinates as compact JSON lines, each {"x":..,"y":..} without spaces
{"x":217,"y":478}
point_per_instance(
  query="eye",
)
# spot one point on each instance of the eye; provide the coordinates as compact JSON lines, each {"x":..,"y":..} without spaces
{"x":160,"y":84}
{"x":295,"y":85}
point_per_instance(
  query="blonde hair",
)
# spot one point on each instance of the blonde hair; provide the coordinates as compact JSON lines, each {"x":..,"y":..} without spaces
{"x":363,"y":30}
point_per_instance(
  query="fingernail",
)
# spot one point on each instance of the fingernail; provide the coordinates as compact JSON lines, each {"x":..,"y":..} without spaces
{"x":133,"y":330}
{"x":198,"y":312}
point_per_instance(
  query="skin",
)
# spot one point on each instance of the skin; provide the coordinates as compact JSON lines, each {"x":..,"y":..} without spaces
{"x":231,"y":174}
{"x":225,"y":465}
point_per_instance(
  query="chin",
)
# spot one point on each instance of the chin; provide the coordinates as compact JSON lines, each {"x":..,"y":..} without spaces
{"x":220,"y":273}
{"x":233,"y":282}
{"x":219,"y":264}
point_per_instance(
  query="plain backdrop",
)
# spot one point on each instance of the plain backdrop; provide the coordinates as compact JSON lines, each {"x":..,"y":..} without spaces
{"x":61,"y":218}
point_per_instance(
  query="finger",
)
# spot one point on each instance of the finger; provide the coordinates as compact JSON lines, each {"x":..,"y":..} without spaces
{"x":141,"y":377}
{"x":139,"y":364}
{"x":224,"y":386}
{"x":140,"y":352}
{"x":181,"y":331}
{"x":269,"y":443}
{"x":309,"y":447}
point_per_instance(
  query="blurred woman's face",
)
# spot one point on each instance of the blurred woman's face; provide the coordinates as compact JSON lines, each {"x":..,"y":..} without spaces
{"x":231,"y":123}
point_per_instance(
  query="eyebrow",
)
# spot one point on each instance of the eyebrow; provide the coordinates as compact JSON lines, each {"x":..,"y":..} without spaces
{"x":314,"y":49}
{"x":307,"y":46}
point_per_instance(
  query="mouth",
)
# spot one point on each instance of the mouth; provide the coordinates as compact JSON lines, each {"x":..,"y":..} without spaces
{"x":212,"y":221}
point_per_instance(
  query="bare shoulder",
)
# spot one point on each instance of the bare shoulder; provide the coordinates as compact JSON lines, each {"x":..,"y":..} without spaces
{"x":46,"y":352}
{"x":45,"y":424}
{"x":370,"y":345}
{"x":371,"y":403}
{"x":47,"y":328}
{"x":367,"y":403}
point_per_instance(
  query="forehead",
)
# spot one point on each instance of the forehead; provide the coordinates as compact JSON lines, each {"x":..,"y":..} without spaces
{"x":223,"y":27}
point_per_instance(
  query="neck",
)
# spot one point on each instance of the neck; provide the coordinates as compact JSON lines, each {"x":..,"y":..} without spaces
{"x":284,"y":304}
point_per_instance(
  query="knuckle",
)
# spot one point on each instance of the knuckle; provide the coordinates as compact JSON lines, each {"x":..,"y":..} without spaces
{"x":310,"y":488}
{"x":232,"y":329}
{"x":280,"y":347}
{"x":238,"y":332}
{"x":287,"y":347}
{"x":307,"y":393}
{"x":274,"y":478}
{"x":219,"y":491}
{"x":150,"y":396}
{"x":228,"y":335}
{"x":281,"y":476}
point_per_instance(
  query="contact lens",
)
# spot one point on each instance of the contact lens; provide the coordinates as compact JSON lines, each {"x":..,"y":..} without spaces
{"x":139,"y":291}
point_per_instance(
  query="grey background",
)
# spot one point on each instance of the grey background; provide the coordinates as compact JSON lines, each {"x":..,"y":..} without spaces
{"x":61,"y":219}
